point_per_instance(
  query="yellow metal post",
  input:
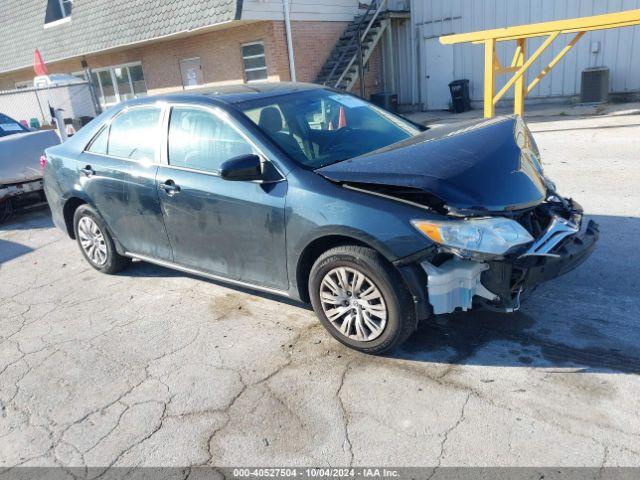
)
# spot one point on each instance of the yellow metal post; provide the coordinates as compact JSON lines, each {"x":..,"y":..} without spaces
{"x":574,"y":25}
{"x":519,"y":74}
{"x":520,"y":91}
{"x":520,"y":63}
{"x":553,"y":62}
{"x":489,"y":77}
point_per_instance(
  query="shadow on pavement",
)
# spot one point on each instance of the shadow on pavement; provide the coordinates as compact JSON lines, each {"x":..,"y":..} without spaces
{"x":148,"y":270}
{"x":10,"y":250}
{"x":29,"y":218}
{"x":502,"y":340}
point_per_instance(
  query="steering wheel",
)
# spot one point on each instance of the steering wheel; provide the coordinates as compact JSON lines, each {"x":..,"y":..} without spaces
{"x":338,"y":135}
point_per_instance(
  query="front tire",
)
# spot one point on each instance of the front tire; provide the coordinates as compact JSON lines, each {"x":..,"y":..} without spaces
{"x":95,"y":241}
{"x":361,"y":299}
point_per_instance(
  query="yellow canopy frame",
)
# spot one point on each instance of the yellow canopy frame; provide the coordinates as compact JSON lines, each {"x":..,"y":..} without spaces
{"x":520,"y":63}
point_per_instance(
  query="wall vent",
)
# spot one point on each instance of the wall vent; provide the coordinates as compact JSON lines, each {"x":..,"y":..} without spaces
{"x":595,"y":85}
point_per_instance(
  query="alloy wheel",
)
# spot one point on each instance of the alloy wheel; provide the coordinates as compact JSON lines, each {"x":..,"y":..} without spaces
{"x":92,"y":241}
{"x":353,"y":304}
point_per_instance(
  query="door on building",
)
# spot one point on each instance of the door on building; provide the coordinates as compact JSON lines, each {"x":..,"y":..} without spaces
{"x":439,"y":73}
{"x":191,"y":72}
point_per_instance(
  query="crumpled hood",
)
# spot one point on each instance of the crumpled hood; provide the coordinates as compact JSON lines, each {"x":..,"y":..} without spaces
{"x":20,"y":155}
{"x":481,"y":166}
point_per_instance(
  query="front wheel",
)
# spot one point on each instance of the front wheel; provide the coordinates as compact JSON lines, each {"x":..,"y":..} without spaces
{"x":361,"y":300}
{"x":95,"y":241}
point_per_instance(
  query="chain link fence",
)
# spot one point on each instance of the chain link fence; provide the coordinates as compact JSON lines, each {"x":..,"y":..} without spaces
{"x":26,"y":104}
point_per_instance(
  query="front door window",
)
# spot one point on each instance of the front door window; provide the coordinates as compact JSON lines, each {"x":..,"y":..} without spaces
{"x":232,"y":229}
{"x":199,"y":140}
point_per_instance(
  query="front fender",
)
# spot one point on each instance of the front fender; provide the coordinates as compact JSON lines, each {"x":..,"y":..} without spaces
{"x":317,"y":208}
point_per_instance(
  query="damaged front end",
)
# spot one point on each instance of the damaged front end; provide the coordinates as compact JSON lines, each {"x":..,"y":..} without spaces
{"x":561,"y":241}
{"x":498,"y":226}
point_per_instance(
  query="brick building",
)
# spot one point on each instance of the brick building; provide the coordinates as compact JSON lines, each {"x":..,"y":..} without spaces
{"x":140,"y":47}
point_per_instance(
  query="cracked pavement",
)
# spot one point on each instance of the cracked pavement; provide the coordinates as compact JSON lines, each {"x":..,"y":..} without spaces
{"x":152,"y":367}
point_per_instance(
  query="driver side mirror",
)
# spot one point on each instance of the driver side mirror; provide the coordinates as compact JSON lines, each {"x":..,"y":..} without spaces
{"x":249,"y":168}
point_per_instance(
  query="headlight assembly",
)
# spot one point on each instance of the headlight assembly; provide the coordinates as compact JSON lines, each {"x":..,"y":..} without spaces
{"x":495,"y":236}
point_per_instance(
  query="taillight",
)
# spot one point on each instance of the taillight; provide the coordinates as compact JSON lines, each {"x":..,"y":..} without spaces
{"x":43,"y":161}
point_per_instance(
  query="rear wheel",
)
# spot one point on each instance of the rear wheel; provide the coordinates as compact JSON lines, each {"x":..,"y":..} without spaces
{"x":95,"y":241}
{"x":361,"y":300}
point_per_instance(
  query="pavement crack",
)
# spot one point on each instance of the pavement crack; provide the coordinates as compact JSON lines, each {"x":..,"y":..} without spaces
{"x":155,"y":430}
{"x":447,"y":432}
{"x":605,"y":457}
{"x":345,"y":414}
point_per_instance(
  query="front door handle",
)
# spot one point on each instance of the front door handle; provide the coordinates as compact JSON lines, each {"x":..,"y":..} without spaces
{"x":88,"y":171}
{"x":170,"y":187}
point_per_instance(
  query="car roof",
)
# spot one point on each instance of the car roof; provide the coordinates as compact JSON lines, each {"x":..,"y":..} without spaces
{"x":237,"y":93}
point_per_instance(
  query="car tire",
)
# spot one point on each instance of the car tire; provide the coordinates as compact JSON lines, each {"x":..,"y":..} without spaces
{"x":95,"y":241}
{"x":380,"y":279}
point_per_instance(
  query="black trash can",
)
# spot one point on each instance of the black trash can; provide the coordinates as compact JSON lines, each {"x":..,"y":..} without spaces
{"x":460,"y":99}
{"x":386,"y":100}
{"x":84,"y":119}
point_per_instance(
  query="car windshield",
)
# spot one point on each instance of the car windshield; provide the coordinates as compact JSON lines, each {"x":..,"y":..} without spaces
{"x":320,"y":127}
{"x":8,"y":126}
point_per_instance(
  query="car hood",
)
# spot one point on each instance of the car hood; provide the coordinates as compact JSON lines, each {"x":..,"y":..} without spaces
{"x":481,"y":166}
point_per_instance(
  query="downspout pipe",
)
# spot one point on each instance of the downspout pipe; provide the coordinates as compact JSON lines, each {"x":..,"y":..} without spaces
{"x":287,"y":27}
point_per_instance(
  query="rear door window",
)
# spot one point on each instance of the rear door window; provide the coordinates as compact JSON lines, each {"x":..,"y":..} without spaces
{"x":135,"y":134}
{"x":199,"y":140}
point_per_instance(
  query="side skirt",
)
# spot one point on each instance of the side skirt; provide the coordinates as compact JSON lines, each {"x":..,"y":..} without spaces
{"x":199,"y":273}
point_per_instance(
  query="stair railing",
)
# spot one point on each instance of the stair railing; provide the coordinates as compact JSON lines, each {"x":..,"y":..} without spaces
{"x":378,"y":5}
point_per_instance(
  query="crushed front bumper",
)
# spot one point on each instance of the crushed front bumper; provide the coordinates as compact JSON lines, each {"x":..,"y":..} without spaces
{"x":463,"y":284}
{"x":510,"y":277}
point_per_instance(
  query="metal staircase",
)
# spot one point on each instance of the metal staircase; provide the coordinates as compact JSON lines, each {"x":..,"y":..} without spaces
{"x":354,"y":48}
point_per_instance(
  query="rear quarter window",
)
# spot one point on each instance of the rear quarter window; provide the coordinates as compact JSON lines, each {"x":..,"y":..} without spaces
{"x":99,"y":143}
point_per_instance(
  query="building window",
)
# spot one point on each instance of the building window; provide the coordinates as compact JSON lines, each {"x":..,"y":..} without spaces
{"x":57,"y":10}
{"x":255,"y":63}
{"x":118,"y":83}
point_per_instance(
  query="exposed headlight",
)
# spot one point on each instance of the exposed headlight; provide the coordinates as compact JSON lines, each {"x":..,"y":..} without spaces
{"x":494,"y":236}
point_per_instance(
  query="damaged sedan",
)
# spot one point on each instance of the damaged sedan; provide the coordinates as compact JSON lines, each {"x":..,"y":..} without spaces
{"x":20,"y":164}
{"x":302,"y":191}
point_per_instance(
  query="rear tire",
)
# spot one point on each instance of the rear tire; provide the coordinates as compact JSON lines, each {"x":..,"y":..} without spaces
{"x":95,"y":241}
{"x":361,"y":299}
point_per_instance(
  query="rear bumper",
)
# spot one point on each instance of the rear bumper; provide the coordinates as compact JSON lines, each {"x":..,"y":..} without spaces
{"x":20,"y":189}
{"x":56,"y":205}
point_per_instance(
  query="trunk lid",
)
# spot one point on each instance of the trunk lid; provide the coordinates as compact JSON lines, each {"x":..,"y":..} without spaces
{"x":480,"y":166}
{"x":20,"y":155}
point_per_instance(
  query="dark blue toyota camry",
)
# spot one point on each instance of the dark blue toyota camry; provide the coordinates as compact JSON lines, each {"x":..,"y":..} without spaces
{"x":314,"y":194}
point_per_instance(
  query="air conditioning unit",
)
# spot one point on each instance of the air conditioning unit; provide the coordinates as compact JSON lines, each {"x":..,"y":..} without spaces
{"x":595,"y":85}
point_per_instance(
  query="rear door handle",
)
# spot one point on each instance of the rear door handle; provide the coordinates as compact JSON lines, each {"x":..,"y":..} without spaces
{"x":170,"y":187}
{"x":88,"y":171}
